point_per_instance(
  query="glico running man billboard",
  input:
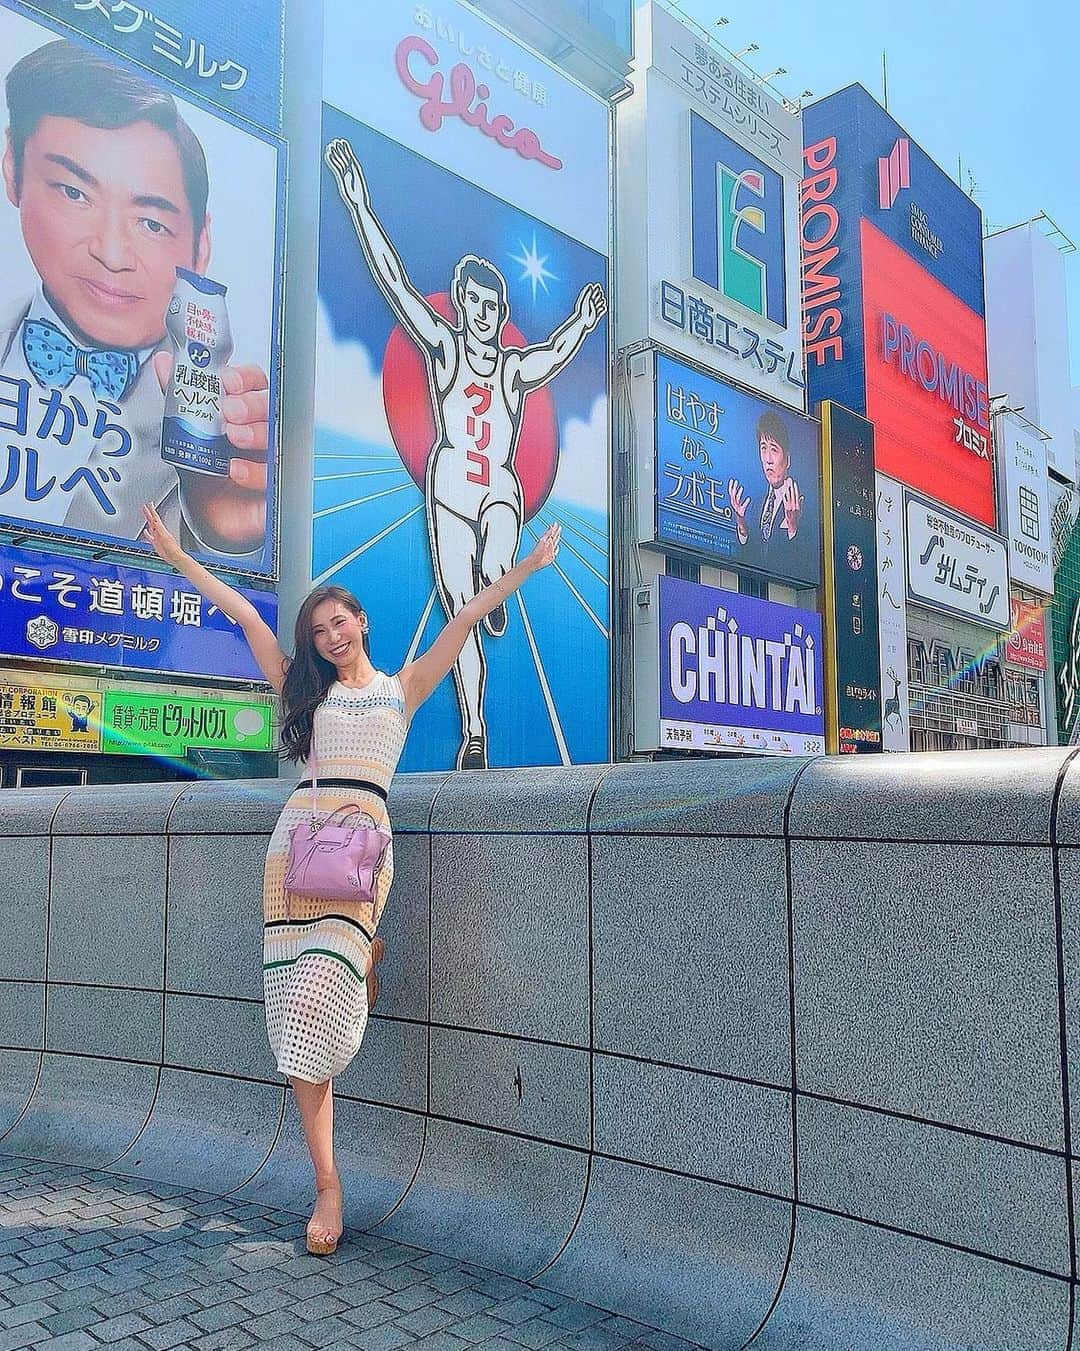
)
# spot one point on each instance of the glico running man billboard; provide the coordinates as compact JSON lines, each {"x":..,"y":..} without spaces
{"x":142,"y":233}
{"x":462,"y":371}
{"x":893,"y":309}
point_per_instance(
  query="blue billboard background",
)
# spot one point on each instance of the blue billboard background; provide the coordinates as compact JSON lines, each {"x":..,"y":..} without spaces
{"x":757,"y":664}
{"x":707,"y":436}
{"x":227,"y":54}
{"x":547,"y":681}
{"x":865,"y":136}
{"x":61,"y":609}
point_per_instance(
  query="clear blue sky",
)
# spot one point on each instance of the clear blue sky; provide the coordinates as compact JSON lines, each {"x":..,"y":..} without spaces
{"x":995,"y":83}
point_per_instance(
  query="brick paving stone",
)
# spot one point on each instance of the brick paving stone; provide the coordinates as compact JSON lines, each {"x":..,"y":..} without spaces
{"x":82,"y":1298}
{"x":320,"y":1306}
{"x":169,"y":1310}
{"x":518,"y":1310}
{"x":26,"y":1334}
{"x":384,"y":1338}
{"x":219,"y":1316}
{"x":100,"y":1260}
{"x":400,"y":1277}
{"x":331,"y":1332}
{"x":479,"y":1328}
{"x":439,"y":1341}
{"x":503,"y":1288}
{"x":465,"y":1303}
{"x":177,"y":1333}
{"x":423,"y":1322}
{"x":572,"y":1316}
{"x":451,"y":1281}
{"x":70,"y":1320}
{"x":24,"y":1313}
{"x":624,"y":1327}
{"x":284,"y":1343}
{"x":414,"y":1297}
{"x":266,"y":1301}
{"x":309,"y":1287}
{"x":126,"y":1325}
{"x":73,"y":1341}
{"x":434,"y":1262}
{"x":664,"y":1341}
{"x":226,"y":1339}
{"x":355,"y":1293}
{"x":39,"y":1290}
{"x":277,"y":1324}
{"x":370,"y":1315}
{"x":534,"y":1334}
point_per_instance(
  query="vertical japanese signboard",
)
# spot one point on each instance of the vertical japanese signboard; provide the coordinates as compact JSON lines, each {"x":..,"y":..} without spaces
{"x":143,"y":156}
{"x":462,"y":371}
{"x":708,"y":212}
{"x":892,"y":616}
{"x":853,"y":695}
{"x":1026,"y":494}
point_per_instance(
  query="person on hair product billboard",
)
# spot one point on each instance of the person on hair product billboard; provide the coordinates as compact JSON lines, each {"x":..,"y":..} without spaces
{"x":736,"y":476}
{"x":120,"y":212}
{"x":461,"y":401}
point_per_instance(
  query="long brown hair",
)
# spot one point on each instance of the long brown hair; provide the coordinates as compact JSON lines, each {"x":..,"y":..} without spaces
{"x":309,"y":676}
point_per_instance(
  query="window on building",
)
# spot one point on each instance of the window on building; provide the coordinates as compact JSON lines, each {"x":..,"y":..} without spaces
{"x":753,"y":586}
{"x":682,"y":568}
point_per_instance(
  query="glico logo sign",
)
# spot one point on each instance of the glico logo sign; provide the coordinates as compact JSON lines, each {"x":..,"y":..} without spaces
{"x":737,"y":205}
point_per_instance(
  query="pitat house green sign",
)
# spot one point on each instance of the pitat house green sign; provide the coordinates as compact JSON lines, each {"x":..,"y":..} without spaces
{"x":165,"y":724}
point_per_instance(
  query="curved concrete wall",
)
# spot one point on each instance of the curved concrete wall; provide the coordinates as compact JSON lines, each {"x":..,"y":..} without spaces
{"x":753,"y":1051}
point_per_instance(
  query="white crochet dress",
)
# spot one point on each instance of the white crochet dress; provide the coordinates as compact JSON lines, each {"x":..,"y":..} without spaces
{"x":315,"y":951}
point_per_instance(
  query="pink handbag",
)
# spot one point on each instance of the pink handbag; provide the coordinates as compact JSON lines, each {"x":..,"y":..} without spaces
{"x":336,"y":860}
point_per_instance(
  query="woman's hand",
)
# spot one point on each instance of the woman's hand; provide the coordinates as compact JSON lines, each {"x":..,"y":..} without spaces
{"x":547,"y":546}
{"x":164,"y":542}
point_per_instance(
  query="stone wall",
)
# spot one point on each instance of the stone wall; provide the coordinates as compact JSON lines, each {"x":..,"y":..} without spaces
{"x":748,"y":1050}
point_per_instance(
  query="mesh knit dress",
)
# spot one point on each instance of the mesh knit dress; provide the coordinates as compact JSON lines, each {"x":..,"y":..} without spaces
{"x":315,"y":951}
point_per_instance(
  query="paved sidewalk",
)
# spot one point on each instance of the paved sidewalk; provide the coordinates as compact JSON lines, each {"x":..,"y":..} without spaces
{"x":90,"y":1259}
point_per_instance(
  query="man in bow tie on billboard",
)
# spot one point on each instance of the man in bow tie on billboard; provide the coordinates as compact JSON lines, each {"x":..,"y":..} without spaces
{"x":111,"y":186}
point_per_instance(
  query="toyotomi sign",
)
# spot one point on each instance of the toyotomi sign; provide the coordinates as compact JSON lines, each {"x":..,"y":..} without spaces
{"x":1022,"y":457}
{"x":708,"y":212}
{"x":738,"y":674}
{"x":955,"y":566}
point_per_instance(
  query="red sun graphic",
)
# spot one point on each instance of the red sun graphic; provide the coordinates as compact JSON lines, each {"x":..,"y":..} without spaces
{"x":407,"y":400}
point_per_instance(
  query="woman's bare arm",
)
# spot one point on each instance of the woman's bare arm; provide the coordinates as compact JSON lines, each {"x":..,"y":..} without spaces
{"x":420,"y":677}
{"x":264,"y":645}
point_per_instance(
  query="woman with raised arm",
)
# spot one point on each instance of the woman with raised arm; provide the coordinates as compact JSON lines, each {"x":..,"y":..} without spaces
{"x":347,"y":722}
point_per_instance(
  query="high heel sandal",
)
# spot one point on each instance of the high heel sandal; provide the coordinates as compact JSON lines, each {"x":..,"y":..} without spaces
{"x":378,"y":952}
{"x":324,"y":1246}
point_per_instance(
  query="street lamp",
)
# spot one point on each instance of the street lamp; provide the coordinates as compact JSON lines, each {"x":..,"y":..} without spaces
{"x":746,"y":51}
{"x":764,"y":79}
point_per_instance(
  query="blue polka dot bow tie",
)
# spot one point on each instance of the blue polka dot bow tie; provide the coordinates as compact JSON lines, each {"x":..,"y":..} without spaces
{"x":55,"y":360}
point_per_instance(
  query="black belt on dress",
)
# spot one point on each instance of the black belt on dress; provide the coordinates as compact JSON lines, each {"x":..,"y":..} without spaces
{"x":365,"y":785}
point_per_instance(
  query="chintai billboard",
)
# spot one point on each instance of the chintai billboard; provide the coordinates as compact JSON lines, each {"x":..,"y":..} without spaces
{"x":737,"y":673}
